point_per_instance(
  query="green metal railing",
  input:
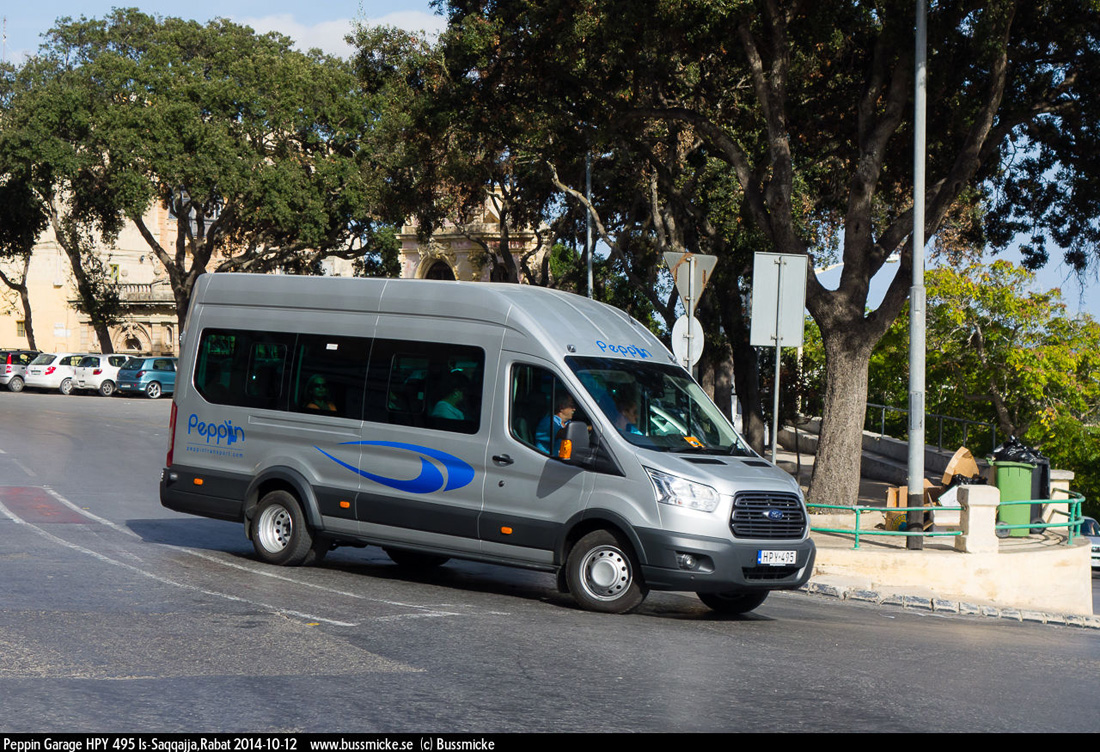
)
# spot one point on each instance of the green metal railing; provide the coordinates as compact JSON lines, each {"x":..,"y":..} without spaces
{"x":1074,"y":501}
{"x":1073,"y":524}
{"x":857,"y":532}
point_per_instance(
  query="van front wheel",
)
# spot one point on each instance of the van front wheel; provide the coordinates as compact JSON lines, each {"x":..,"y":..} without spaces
{"x":602,"y":574}
{"x":280,"y":534}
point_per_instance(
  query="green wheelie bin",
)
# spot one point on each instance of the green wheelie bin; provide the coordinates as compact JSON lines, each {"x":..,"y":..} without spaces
{"x":1014,"y":481}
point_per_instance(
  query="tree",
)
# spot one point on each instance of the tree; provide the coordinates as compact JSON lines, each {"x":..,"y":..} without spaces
{"x":1001,"y":352}
{"x":21,"y":222}
{"x":1013,"y":354}
{"x":807,"y":107}
{"x":256,"y":150}
{"x":45,"y":113}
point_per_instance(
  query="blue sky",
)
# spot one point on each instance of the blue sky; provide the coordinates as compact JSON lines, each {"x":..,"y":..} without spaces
{"x":325,"y":23}
{"x":319,"y":24}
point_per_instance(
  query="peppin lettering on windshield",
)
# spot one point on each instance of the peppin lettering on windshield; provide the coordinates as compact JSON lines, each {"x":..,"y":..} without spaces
{"x":630,"y":350}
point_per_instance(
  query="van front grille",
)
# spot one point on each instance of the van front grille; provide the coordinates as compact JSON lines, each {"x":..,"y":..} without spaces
{"x":768,"y":573}
{"x":760,"y":514}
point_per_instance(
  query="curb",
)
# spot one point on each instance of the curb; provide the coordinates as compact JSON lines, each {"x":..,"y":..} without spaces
{"x":944,"y":606}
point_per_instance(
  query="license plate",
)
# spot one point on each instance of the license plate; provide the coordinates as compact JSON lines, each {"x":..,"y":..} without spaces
{"x":776,"y":558}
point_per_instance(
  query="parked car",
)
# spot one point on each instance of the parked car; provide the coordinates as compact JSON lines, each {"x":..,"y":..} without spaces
{"x":154,"y":376}
{"x":13,"y":366}
{"x":99,"y":373}
{"x":1091,"y":530}
{"x":52,"y":371}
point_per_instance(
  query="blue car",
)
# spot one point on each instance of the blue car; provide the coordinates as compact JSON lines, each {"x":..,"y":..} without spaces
{"x":153,"y":376}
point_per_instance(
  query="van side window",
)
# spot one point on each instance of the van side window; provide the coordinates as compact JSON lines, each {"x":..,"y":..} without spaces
{"x":329,"y":374}
{"x":539,"y":406}
{"x":426,"y":385}
{"x":243,"y":368}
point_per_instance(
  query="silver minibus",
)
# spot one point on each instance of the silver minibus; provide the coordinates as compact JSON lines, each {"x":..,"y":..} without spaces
{"x":500,"y":423}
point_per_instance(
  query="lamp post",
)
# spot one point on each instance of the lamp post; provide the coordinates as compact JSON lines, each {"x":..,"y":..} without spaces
{"x":915,"y":520}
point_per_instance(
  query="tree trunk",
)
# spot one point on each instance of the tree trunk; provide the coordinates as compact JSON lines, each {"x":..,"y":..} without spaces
{"x":837,"y":465}
{"x":746,"y":366}
{"x":723,"y":384}
{"x":746,"y":377}
{"x":25,"y":299}
{"x":20,"y":287}
{"x":28,"y":325}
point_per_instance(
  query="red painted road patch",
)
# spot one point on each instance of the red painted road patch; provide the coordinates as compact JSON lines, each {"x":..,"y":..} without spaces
{"x":34,"y":505}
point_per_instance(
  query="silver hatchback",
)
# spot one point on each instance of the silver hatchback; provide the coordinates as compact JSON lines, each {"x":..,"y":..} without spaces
{"x":13,"y":366}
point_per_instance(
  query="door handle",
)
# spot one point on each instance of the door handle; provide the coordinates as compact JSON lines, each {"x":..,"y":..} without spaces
{"x":502,"y":459}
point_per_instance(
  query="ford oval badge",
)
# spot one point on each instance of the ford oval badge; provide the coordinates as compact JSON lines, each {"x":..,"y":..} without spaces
{"x":774,"y":514}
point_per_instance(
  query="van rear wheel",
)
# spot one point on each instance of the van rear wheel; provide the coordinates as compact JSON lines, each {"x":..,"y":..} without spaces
{"x":280,"y":534}
{"x":602,"y":574}
{"x":733,"y":603}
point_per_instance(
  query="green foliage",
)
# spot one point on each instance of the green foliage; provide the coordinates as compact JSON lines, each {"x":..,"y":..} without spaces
{"x":997,"y":352}
{"x":1012,"y":353}
{"x":381,"y":260}
{"x":261,"y":153}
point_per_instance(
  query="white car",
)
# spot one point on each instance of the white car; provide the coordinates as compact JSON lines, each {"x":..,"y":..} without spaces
{"x":53,"y":371}
{"x":98,"y":373}
{"x":1091,"y":530}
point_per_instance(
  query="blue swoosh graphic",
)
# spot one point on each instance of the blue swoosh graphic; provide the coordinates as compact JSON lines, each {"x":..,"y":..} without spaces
{"x":459,"y":473}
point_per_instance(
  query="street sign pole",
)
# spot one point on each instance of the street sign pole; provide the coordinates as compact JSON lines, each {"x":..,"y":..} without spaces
{"x":778,"y":319}
{"x":690,"y":273}
{"x":691,"y":311}
{"x":778,"y":350}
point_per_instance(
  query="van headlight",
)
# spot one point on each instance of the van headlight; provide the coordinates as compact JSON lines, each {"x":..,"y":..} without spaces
{"x":681,"y":492}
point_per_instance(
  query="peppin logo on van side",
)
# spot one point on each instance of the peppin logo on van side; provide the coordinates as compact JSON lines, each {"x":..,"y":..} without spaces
{"x":431,"y":478}
{"x":215,"y":432}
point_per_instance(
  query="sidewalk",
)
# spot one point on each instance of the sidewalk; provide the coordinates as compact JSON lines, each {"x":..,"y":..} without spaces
{"x":1037,"y":578}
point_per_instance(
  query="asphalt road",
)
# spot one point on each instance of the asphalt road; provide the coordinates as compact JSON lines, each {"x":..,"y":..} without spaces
{"x":118,"y":615}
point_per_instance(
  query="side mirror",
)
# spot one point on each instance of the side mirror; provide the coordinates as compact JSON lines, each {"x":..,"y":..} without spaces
{"x":575,"y":447}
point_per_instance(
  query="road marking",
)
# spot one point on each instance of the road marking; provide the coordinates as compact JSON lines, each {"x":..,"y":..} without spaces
{"x":262,"y":571}
{"x":33,"y":505}
{"x":164,"y":580}
{"x":24,"y":468}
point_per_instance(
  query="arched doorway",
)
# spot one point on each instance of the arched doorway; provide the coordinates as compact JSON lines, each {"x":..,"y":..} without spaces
{"x":440,"y":270}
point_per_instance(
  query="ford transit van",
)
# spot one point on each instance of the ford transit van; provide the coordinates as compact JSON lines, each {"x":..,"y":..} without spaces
{"x":500,"y":423}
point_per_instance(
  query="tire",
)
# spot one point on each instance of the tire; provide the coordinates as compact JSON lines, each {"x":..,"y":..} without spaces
{"x":415,"y":560}
{"x":280,"y":534}
{"x":733,"y":603}
{"x":66,"y":386}
{"x":16,"y":384}
{"x":603,"y":575}
{"x":107,"y":388}
{"x":153,"y":390}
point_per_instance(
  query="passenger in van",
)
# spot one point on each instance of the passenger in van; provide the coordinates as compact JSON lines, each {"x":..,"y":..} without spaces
{"x":317,"y":392}
{"x":626,"y":404}
{"x":454,"y":396}
{"x":549,"y":426}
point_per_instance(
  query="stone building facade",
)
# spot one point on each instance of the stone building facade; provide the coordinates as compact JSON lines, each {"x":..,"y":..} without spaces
{"x":148,"y":324}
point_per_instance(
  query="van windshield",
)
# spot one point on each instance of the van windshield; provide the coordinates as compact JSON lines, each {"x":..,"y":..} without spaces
{"x":657,"y":406}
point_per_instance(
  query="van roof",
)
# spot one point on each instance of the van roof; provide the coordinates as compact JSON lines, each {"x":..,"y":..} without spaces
{"x":592,"y":328}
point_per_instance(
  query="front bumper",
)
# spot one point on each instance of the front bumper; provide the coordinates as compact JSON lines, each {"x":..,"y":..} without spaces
{"x":721,"y":565}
